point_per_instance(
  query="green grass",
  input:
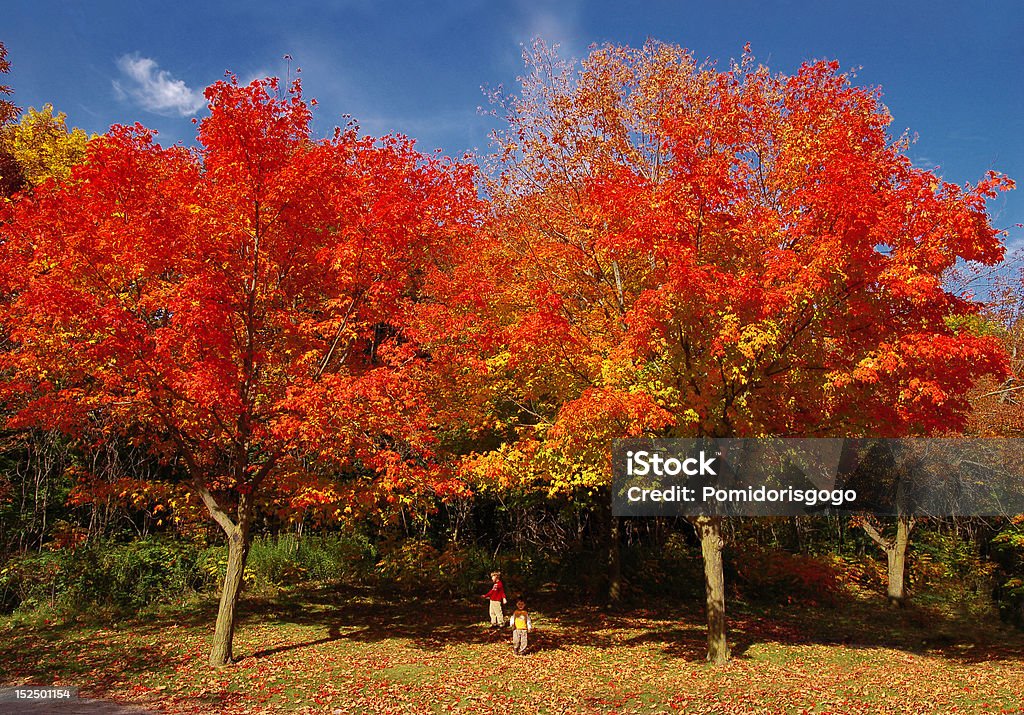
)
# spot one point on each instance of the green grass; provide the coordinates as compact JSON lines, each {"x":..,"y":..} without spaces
{"x":357,"y":652}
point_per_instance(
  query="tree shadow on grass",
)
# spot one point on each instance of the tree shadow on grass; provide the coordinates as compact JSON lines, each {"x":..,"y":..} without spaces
{"x":58,"y":655}
{"x":688,"y":642}
{"x":359,"y":615}
{"x":362,"y":615}
{"x":865,"y":625}
{"x":681,"y":633}
{"x":430,"y":625}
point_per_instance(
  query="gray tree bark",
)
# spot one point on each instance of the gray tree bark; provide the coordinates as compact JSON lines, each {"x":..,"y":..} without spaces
{"x":224,"y":632}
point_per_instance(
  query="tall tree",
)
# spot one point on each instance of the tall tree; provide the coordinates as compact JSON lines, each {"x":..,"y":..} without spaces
{"x":678,"y":250}
{"x":240,"y":307}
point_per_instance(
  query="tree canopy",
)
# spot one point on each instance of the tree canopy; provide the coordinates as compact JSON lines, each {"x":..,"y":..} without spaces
{"x":239,"y":307}
{"x":42,"y":145}
{"x":683,"y":251}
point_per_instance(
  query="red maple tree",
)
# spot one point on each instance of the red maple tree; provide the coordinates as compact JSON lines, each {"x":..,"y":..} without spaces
{"x":242,"y":308}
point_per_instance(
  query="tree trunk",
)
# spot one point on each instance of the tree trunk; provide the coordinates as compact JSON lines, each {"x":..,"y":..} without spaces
{"x":614,"y":562}
{"x":897,"y":557}
{"x":224,"y":633}
{"x":711,"y":543}
{"x":896,"y":554}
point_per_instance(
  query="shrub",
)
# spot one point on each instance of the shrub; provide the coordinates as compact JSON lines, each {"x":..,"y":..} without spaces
{"x":1008,"y":551}
{"x":947,"y":570}
{"x":866,"y":573}
{"x":121,"y":576}
{"x":458,"y":570}
{"x":672,"y":569}
{"x":30,"y":581}
{"x":212,"y":565}
{"x":288,"y":559}
{"x":335,"y":557}
{"x":782,"y":577}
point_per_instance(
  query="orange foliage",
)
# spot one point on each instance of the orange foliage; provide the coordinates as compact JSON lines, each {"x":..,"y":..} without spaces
{"x":678,"y":250}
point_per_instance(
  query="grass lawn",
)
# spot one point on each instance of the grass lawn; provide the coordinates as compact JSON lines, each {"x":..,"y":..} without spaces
{"x":345,"y":651}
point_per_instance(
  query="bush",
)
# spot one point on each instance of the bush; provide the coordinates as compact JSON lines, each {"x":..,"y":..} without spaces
{"x":782,"y":577}
{"x":945,"y":569}
{"x":867,"y":573}
{"x":672,"y":569}
{"x":121,"y":576}
{"x":458,"y":570}
{"x":341,"y":557}
{"x":289,"y":559}
{"x":1008,"y":551}
{"x":127,"y":577}
{"x":212,"y":565}
{"x":29,"y":582}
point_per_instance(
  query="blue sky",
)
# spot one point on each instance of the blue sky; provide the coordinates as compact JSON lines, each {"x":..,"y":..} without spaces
{"x":950,"y":71}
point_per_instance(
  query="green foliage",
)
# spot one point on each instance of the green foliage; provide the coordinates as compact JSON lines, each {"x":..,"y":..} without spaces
{"x":29,"y":581}
{"x":120,"y":576}
{"x":135,"y":574}
{"x":1008,"y":551}
{"x":946,"y":570}
{"x":976,"y":325}
{"x":673,"y":569}
{"x":35,"y":485}
{"x":212,"y":563}
{"x":288,"y":559}
{"x":419,"y":567}
{"x":127,"y":577}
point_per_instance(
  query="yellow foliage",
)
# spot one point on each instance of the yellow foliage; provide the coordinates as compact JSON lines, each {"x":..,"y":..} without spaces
{"x":43,"y":146}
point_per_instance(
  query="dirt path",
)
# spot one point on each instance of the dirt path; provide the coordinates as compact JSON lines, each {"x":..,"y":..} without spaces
{"x":70,"y":707}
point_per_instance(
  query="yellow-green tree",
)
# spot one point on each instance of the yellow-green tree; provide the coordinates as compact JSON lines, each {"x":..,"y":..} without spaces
{"x":43,"y":146}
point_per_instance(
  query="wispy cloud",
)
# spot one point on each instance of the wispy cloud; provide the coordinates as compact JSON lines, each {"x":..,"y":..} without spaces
{"x":557,"y":24}
{"x":154,"y":89}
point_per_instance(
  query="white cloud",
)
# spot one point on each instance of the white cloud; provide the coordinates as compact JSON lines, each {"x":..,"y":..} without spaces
{"x":154,"y":89}
{"x":555,"y":23}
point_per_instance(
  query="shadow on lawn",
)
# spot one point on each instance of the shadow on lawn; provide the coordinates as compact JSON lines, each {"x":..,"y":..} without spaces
{"x":59,"y":652}
{"x":855,"y":626}
{"x":429,"y":625}
{"x":432,"y":625}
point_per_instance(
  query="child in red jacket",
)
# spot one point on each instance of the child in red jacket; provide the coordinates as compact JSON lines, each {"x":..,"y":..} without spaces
{"x":497,"y":596}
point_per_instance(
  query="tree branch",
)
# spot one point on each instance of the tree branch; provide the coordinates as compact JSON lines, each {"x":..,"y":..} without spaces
{"x":871,"y":531}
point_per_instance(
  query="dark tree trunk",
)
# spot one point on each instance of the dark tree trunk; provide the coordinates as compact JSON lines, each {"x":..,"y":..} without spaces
{"x":614,"y":562}
{"x":709,"y":528}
